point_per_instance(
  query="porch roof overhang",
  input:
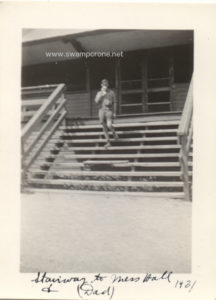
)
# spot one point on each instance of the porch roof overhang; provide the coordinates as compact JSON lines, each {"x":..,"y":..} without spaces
{"x":37,"y":42}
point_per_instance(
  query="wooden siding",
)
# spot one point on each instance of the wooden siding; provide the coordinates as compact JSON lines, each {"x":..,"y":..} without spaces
{"x":82,"y":105}
{"x":179,"y":94}
{"x":94,"y":105}
{"x":77,"y":105}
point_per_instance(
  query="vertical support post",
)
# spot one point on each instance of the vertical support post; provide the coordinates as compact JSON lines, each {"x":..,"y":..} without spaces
{"x":23,"y":167}
{"x":88,"y":86}
{"x":171,"y":80}
{"x":184,"y":165}
{"x":118,"y":83}
{"x":144,"y":66}
{"x":62,"y":98}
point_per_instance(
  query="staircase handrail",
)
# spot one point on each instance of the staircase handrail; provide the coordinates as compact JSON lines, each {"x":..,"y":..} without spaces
{"x":52,"y":112}
{"x":185,"y":132}
{"x":187,"y":112}
{"x":39,"y":115}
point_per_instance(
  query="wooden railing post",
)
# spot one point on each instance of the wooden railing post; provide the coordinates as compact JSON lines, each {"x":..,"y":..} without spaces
{"x":184,"y":167}
{"x":185,"y":132}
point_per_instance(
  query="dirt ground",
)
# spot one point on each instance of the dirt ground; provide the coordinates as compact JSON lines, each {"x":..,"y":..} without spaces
{"x":74,"y":232}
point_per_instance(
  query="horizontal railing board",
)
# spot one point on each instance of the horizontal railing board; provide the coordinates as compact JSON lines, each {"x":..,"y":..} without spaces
{"x":38,"y":87}
{"x":158,"y":89}
{"x":35,"y":102}
{"x":131,"y":104}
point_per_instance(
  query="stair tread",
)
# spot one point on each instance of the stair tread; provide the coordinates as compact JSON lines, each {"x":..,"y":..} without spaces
{"x":103,"y":140}
{"x":111,"y":183}
{"x":139,"y":124}
{"x":92,"y":133}
{"x":109,"y":173}
{"x":69,"y":156}
{"x":139,"y":155}
{"x":148,"y":194}
{"x":123,"y":147}
{"x":136,"y":164}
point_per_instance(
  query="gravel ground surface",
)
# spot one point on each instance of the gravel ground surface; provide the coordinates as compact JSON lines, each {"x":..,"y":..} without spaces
{"x":71,"y":232}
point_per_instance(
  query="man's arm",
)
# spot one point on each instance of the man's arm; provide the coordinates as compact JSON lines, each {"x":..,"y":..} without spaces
{"x":98,"y":97}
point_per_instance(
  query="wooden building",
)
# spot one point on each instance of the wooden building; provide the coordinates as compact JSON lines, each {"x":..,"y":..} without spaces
{"x":62,"y":141}
{"x":152,"y":77}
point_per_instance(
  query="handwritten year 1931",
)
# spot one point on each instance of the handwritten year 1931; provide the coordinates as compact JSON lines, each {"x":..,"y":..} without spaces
{"x":187,"y":284}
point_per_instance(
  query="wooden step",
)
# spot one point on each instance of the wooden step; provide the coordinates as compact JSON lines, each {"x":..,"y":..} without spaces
{"x":134,"y":156}
{"x":108,"y":156}
{"x":102,"y":140}
{"x":109,"y":183}
{"x":139,"y":155}
{"x":124,"y":125}
{"x":98,"y":148}
{"x":96,"y":133}
{"x":106,"y":173}
{"x":174,"y":195}
{"x":129,"y":164}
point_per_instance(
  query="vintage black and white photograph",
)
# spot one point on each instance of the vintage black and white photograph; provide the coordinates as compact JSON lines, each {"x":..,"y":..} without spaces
{"x":107,"y":150}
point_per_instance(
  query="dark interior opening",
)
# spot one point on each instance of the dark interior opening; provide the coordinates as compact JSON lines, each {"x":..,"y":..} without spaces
{"x":131,"y":67}
{"x":127,"y":110}
{"x":72,"y":73}
{"x":158,"y":64}
{"x":131,"y":98}
{"x":159,"y":97}
{"x":183,"y":63}
{"x":101,"y":68}
{"x":159,"y":108}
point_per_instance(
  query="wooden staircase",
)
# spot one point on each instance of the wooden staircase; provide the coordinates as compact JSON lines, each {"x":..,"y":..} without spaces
{"x":146,"y":159}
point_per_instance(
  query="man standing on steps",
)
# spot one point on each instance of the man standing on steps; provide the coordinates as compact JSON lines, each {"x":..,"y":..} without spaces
{"x":107,"y":111}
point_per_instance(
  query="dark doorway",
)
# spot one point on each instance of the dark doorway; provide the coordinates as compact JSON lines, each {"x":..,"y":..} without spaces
{"x":101,"y":68}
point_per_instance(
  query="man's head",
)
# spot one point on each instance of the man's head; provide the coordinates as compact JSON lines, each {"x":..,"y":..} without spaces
{"x":104,"y":84}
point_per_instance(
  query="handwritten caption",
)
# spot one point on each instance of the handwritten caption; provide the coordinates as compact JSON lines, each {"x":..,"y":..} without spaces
{"x":91,"y":287}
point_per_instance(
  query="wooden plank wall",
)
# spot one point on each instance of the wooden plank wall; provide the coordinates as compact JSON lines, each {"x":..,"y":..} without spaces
{"x":77,"y":105}
{"x":179,"y":94}
{"x":94,"y":105}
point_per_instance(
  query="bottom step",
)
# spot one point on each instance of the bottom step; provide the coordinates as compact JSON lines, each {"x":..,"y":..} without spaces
{"x":101,"y":185}
{"x":173,"y":195}
{"x":110,"y":183}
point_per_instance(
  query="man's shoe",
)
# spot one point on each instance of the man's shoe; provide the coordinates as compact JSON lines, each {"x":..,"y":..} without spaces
{"x":116,"y":137}
{"x":107,"y":145}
